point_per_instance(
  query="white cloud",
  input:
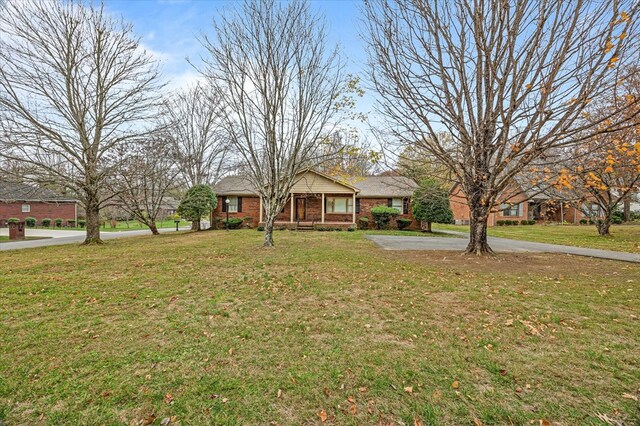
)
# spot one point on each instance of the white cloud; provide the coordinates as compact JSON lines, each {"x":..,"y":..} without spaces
{"x":184,"y":80}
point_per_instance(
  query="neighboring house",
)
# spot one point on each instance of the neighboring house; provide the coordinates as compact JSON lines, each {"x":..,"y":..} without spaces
{"x":516,"y":203}
{"x":168,"y":207}
{"x":21,"y":201}
{"x":317,"y":199}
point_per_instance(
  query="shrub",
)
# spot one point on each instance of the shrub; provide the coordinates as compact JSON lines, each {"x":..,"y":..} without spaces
{"x":234,"y":223}
{"x":524,"y":222}
{"x":591,"y":222}
{"x":260,"y":228}
{"x":382,"y":215}
{"x":31,"y":221}
{"x":71,"y":222}
{"x":198,"y":202}
{"x":338,"y":229}
{"x":583,"y":221}
{"x":351,"y":228}
{"x":13,"y":220}
{"x":430,"y":204}
{"x":532,"y":222}
{"x":403,"y":223}
{"x":507,"y":223}
{"x":58,"y":222}
{"x":46,"y":222}
{"x":81,"y":223}
{"x":616,"y":220}
{"x":500,"y":223}
{"x":363,"y":222}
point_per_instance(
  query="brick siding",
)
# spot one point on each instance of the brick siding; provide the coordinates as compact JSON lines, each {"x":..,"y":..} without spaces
{"x":39,"y":210}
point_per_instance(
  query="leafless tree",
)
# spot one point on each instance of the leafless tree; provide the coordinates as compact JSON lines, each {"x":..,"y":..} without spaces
{"x":75,"y":87}
{"x":280,"y":85}
{"x":146,"y":176}
{"x":348,"y":155}
{"x":200,"y":146}
{"x":507,"y":79}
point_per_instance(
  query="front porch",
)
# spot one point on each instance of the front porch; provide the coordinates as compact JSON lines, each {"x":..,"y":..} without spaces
{"x":311,"y":209}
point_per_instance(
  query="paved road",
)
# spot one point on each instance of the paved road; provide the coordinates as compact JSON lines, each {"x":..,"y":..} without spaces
{"x":500,"y":245}
{"x":59,"y":237}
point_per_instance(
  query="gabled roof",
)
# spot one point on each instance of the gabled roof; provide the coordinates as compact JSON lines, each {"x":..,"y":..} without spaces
{"x":15,"y":191}
{"x":366,"y":186}
{"x":385,"y":186}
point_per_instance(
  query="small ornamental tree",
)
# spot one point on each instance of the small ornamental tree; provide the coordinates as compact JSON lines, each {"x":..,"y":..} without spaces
{"x":382,"y":215}
{"x":199,"y":201}
{"x":431,"y":204}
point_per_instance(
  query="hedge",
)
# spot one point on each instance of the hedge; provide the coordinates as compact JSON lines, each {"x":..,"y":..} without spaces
{"x":403,"y":223}
{"x":382,"y":215}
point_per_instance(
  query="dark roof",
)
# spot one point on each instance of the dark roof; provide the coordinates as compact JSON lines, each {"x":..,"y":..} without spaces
{"x":368,"y":186}
{"x":14,"y":191}
{"x":384,"y":186}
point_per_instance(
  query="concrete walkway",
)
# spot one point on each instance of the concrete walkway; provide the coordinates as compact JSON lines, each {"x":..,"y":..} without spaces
{"x":499,"y":245}
{"x":57,"y":237}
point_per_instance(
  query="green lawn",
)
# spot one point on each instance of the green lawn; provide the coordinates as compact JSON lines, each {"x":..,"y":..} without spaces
{"x":126,"y":226}
{"x":210,"y":328}
{"x":6,"y":238}
{"x":623,"y":237}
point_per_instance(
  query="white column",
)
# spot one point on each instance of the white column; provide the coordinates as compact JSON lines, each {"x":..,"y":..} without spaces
{"x":260,"y":220}
{"x":292,"y":201}
{"x":322,"y":209}
{"x":353,"y":207}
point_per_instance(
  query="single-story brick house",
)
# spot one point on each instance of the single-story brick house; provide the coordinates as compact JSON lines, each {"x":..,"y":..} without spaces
{"x":318,"y":199}
{"x":21,"y":201}
{"x":517,"y":203}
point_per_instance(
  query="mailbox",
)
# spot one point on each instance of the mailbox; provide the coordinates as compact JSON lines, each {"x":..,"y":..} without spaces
{"x":16,"y":231}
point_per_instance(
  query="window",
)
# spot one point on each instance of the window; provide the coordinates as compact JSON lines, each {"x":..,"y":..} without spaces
{"x":397,"y":203}
{"x":510,"y":209}
{"x":339,"y":205}
{"x":26,"y":208}
{"x":233,"y":204}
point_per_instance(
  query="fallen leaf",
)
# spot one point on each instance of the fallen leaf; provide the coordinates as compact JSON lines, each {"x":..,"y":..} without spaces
{"x":477,"y":422}
{"x":408,"y":389}
{"x":165,"y":421}
{"x":168,"y":398}
{"x":279,"y":394}
{"x":544,"y":422}
{"x":214,"y":396}
{"x":323,"y":415}
{"x":455,"y":385}
{"x":417,"y":422}
{"x":353,"y":409}
{"x":508,"y":322}
{"x":629,"y":396}
{"x":225,"y":400}
{"x":362,"y":389}
{"x":503,"y":372}
{"x":436,"y":394}
{"x":230,"y":351}
{"x":149,"y":420}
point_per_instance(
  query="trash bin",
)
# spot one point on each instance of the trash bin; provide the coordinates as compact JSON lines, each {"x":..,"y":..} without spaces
{"x":17,"y":231}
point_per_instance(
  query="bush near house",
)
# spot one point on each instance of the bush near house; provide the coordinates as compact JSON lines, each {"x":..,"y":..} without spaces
{"x":46,"y":222}
{"x":532,"y":222}
{"x":13,"y":220}
{"x":583,"y":221}
{"x":31,"y":221}
{"x":233,"y":223}
{"x":403,"y":223}
{"x":431,"y":204}
{"x":71,"y":222}
{"x":81,"y":223}
{"x":524,"y":222}
{"x":500,"y":222}
{"x":363,"y":222}
{"x":382,"y":216}
{"x":59,"y":223}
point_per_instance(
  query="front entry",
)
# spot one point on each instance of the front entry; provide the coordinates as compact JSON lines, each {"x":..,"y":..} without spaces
{"x":301,"y":208}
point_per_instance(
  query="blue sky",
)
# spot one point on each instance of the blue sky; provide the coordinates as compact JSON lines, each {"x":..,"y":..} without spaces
{"x":169,"y":29}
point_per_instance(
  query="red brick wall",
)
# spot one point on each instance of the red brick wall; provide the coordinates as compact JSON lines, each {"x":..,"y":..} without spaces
{"x":366,"y":204}
{"x":461,"y":212}
{"x":39,"y":210}
{"x":250,"y":208}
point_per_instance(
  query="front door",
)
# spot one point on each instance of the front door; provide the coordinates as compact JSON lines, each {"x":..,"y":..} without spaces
{"x":301,"y":208}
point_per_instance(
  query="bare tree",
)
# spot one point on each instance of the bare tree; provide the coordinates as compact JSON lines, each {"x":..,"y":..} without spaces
{"x":280,"y":86}
{"x":508,"y":80}
{"x":200,"y":146}
{"x":348,"y":155}
{"x":75,"y":87}
{"x":146,"y":175}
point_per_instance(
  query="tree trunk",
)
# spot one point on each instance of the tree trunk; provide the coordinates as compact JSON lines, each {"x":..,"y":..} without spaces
{"x":154,"y":229}
{"x":195,"y":225}
{"x":604,"y":224}
{"x":268,"y":232}
{"x":627,"y":208}
{"x":93,"y":222}
{"x":478,"y":243}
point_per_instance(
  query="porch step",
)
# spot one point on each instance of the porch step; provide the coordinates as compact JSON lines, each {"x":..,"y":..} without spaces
{"x":304,"y":228}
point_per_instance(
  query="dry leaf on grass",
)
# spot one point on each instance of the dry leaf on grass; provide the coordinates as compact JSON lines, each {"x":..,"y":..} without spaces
{"x":408,"y":389}
{"x":477,"y":422}
{"x":168,"y":398}
{"x":455,"y":385}
{"x":544,"y":422}
{"x":322,"y":415}
{"x":629,"y":396}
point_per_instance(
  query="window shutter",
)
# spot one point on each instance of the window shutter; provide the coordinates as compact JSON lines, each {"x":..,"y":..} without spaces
{"x":224,"y":204}
{"x":325,"y":204}
{"x":239,"y":204}
{"x":405,"y":206}
{"x":357,"y":205}
{"x":389,"y":202}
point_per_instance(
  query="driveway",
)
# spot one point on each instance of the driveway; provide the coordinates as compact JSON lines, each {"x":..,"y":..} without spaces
{"x":58,"y":237}
{"x":499,"y":245}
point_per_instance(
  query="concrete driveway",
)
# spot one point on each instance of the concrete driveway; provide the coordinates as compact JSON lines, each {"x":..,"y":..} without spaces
{"x":499,"y":245}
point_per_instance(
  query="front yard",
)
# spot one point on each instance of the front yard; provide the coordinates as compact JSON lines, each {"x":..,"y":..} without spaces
{"x":209,"y":328}
{"x":623,"y":237}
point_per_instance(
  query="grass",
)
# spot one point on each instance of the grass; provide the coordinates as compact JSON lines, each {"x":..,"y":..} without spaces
{"x":130,"y":225}
{"x":210,"y":328}
{"x":623,"y":237}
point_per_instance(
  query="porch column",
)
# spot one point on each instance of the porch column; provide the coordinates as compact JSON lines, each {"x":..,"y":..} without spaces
{"x":353,"y":207}
{"x":322,"y":210}
{"x":292,"y":202}
{"x":260,"y":221}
